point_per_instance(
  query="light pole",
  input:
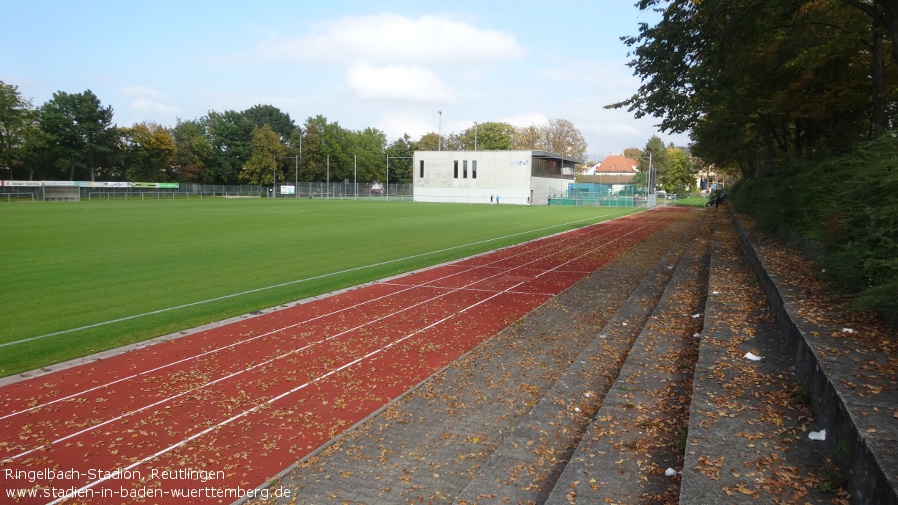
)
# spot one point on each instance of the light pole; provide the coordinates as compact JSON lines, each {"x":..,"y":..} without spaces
{"x":440,"y":133}
{"x":297,"y":162}
{"x":649,"y":177}
{"x":475,"y":135}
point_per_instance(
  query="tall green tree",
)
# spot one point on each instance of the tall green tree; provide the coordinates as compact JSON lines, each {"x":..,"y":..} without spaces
{"x":79,"y":133}
{"x":401,"y":153}
{"x":149,"y":153}
{"x":261,"y":168}
{"x":429,"y":142}
{"x":756,"y":79}
{"x":230,"y":134}
{"x":16,"y":118}
{"x":279,"y":121}
{"x":327,"y":151}
{"x":489,"y":136}
{"x":194,"y":153}
{"x":677,"y":176}
{"x":368,"y":147}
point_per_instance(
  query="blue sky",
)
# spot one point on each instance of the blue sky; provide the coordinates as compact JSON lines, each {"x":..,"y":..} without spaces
{"x":387,"y":64}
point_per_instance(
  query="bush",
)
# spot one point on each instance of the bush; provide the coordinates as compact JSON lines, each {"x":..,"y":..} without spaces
{"x":849,"y":206}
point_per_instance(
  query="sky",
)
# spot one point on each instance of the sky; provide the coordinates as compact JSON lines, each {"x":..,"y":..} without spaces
{"x":400,"y":66}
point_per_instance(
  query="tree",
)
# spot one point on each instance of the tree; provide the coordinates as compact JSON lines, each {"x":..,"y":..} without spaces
{"x":230,"y":134}
{"x":368,"y":147}
{"x":401,"y":153}
{"x":16,"y":118}
{"x":754,"y":79}
{"x":528,"y":138}
{"x":429,"y":142}
{"x":677,"y":176}
{"x":560,"y":136}
{"x":149,"y":153}
{"x":652,"y":163}
{"x":329,"y":155}
{"x":279,"y":122}
{"x":194,"y":153}
{"x":489,"y":136}
{"x":79,"y":133}
{"x":261,"y":167}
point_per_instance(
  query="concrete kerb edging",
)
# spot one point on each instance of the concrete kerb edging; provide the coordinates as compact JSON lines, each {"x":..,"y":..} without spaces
{"x":868,"y":482}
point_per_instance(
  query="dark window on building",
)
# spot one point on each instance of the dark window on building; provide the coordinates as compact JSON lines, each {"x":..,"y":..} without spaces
{"x":542,"y":167}
{"x":465,"y":169}
{"x":473,"y":169}
{"x":422,"y":169}
{"x":455,"y":168}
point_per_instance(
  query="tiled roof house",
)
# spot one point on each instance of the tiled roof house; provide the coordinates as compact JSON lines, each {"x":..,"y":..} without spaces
{"x":614,"y":169}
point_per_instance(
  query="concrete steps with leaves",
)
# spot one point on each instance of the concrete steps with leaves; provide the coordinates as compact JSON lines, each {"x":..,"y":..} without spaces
{"x":844,"y":361}
{"x":528,"y":462}
{"x":639,"y":431}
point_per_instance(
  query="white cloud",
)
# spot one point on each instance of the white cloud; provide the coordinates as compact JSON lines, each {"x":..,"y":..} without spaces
{"x":394,"y":39}
{"x":147,"y":105}
{"x":142,"y":91}
{"x":413,"y":83}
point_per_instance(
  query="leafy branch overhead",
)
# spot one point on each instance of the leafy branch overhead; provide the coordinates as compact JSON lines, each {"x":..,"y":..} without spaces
{"x":752,"y":79}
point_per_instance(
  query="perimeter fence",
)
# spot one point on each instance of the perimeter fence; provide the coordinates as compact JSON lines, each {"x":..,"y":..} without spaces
{"x":333,"y":190}
{"x":116,"y":191}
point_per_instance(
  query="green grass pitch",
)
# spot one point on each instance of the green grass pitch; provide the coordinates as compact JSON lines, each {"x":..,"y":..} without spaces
{"x":82,"y":277}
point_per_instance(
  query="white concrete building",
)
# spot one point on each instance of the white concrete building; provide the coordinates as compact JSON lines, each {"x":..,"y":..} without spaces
{"x":512,"y":177}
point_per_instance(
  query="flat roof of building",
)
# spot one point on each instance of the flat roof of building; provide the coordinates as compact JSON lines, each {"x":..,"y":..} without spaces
{"x":535,"y":154}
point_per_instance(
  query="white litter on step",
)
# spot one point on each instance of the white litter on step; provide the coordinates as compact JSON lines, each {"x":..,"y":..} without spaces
{"x":817,"y":435}
{"x":715,"y":292}
{"x":696,"y":316}
{"x":697,"y":335}
{"x":670,"y":472}
{"x":753,"y":357}
{"x":847,"y":330}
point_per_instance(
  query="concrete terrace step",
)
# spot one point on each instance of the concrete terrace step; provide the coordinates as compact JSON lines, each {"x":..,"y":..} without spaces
{"x":749,"y":420}
{"x":524,"y":467}
{"x":851,"y":383}
{"x":636,"y":434}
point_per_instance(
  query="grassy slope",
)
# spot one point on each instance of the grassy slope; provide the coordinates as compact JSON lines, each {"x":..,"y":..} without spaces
{"x":71,"y":265}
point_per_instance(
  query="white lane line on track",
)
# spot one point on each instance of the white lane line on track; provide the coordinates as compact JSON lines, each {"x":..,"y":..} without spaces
{"x":313,"y":381}
{"x":307,"y":346}
{"x":241,"y":342}
{"x":283,"y":284}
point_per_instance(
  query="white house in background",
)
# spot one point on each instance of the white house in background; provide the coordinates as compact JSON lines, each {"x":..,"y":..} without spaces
{"x":511,"y":177}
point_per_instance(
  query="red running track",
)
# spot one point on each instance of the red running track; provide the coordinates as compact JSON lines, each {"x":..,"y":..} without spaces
{"x":219,"y":412}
